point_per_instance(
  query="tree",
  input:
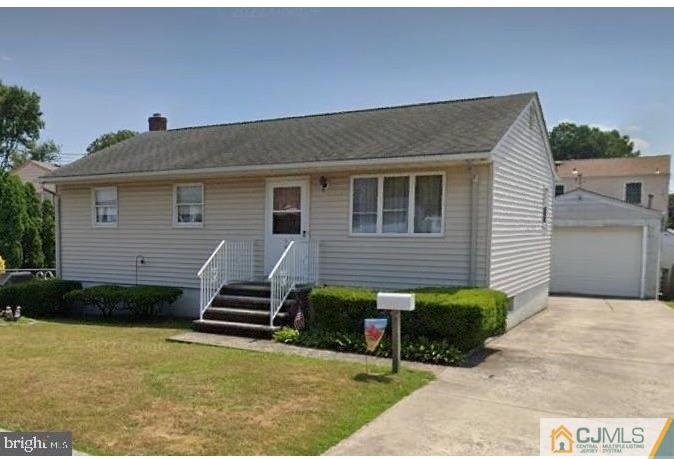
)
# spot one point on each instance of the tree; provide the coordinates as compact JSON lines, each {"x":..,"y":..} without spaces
{"x":20,"y":121}
{"x":48,"y":152}
{"x":109,"y":139}
{"x":33,"y":256}
{"x":571,"y":141}
{"x":48,"y":234}
{"x":12,"y":219}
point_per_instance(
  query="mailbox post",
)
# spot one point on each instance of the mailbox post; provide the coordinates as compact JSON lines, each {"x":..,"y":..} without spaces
{"x":394,"y":303}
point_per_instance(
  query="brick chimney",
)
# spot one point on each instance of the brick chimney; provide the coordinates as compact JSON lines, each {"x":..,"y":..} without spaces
{"x":156,"y":122}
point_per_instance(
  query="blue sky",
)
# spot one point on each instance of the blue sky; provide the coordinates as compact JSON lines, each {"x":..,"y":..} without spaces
{"x":100,"y":70}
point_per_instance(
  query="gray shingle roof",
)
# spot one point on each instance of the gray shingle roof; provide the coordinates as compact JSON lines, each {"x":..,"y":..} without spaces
{"x":437,"y":128}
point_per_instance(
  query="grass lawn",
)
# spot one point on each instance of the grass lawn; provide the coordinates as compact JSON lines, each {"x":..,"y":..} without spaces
{"x":670,"y":304}
{"x":123,"y":389}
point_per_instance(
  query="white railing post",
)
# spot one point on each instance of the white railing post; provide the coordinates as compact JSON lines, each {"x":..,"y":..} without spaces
{"x":227,"y":263}
{"x":298,"y":265}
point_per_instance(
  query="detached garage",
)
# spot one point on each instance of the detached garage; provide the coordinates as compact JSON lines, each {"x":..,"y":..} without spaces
{"x":605,"y":247}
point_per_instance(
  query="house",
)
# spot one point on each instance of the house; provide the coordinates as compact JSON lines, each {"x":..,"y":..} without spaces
{"x":30,"y":171}
{"x":643,"y":180}
{"x":434,"y":194}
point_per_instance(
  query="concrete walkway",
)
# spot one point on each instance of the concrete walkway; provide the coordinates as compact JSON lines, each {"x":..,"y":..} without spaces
{"x":578,"y":358}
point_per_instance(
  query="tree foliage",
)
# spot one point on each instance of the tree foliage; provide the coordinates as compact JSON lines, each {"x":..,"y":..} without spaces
{"x":47,"y":151}
{"x":33,"y":256}
{"x":20,"y":121}
{"x":572,"y":141}
{"x":109,"y":139}
{"x":48,"y":234}
{"x":12,"y":219}
{"x":26,"y":225}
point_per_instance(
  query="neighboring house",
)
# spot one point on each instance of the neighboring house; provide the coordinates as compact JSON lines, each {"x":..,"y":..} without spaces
{"x":643,"y":181}
{"x":435,"y":194}
{"x":608,"y":222}
{"x":31,"y":170}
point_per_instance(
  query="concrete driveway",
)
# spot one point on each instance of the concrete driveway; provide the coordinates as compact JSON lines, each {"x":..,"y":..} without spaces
{"x":579,"y":358}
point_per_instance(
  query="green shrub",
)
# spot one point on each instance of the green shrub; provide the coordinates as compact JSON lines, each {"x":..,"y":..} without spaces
{"x":463,"y":317}
{"x":38,"y":298}
{"x":415,"y":349}
{"x":141,"y":301}
{"x":147,"y":300}
{"x":286,"y":335}
{"x":106,"y":298}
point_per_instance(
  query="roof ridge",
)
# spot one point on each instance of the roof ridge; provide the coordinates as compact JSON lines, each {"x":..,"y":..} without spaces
{"x":663,"y":155}
{"x":360,"y":110}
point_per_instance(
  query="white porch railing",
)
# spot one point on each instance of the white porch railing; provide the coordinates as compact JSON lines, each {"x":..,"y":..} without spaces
{"x":298,"y":265}
{"x":230,"y":261}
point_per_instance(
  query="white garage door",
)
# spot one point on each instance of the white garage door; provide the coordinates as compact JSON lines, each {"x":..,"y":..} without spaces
{"x":597,"y":261}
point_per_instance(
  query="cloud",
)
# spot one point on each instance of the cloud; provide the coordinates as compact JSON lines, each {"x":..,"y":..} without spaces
{"x":603,"y":127}
{"x":5,"y":58}
{"x":640,"y":144}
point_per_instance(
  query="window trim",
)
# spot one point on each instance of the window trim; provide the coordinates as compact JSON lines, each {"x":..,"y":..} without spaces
{"x":641,"y":192}
{"x":95,"y":223}
{"x":176,"y":223}
{"x":410,"y":210}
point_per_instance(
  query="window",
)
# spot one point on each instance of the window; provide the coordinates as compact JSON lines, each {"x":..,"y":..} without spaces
{"x":105,"y":206}
{"x":633,"y":192}
{"x":559,"y":189}
{"x":397,"y":204}
{"x":189,"y":205}
{"x":287,"y":211}
{"x":364,"y":216}
{"x":545,"y":205}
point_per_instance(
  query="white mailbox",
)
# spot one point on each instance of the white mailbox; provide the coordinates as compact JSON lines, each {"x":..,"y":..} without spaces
{"x":395,"y":301}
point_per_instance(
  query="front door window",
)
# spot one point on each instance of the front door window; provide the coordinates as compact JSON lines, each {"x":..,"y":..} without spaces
{"x":287,"y":211}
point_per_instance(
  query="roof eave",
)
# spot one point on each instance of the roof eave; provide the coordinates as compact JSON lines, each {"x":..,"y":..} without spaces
{"x":284,"y":168}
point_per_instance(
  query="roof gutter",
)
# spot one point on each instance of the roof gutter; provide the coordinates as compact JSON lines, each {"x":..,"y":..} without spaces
{"x":273,"y":168}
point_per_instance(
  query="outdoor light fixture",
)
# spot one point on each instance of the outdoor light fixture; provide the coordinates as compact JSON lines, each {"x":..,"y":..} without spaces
{"x":324,"y":182}
{"x":657,"y":171}
{"x":574,"y":171}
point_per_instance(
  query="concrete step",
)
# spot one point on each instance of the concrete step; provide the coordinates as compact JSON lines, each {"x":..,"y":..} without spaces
{"x":256,"y":289}
{"x":245,"y":302}
{"x":252,"y":316}
{"x":234,"y":328}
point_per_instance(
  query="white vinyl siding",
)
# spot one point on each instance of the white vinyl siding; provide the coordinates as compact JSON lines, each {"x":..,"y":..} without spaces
{"x":520,"y":244}
{"x":173,"y":255}
{"x":235,"y":209}
{"x":392,"y":261}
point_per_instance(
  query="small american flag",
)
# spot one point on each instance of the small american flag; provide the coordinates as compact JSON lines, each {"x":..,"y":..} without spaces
{"x":299,"y":320}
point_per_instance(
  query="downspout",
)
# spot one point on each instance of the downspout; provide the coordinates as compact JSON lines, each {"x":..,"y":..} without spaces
{"x":57,"y":228}
{"x":474,"y":208}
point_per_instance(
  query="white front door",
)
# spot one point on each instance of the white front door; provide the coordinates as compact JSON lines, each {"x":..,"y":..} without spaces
{"x":287,"y":217}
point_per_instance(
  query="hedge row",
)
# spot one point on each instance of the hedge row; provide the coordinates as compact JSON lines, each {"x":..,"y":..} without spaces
{"x":462,"y":317}
{"x":141,"y":301}
{"x":38,"y":298}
